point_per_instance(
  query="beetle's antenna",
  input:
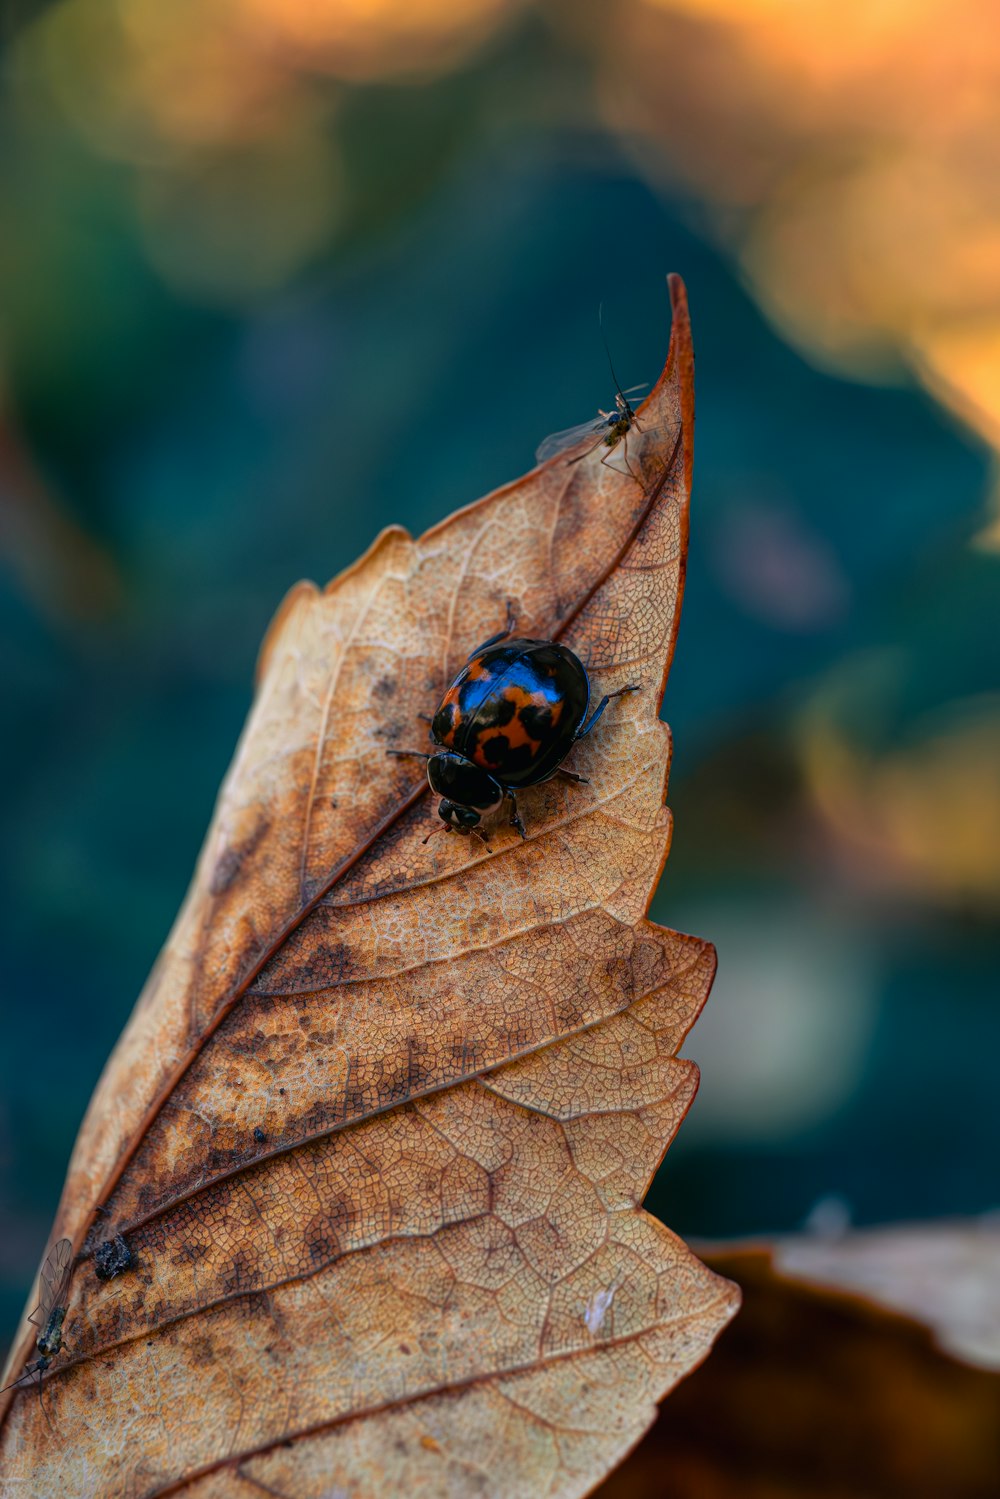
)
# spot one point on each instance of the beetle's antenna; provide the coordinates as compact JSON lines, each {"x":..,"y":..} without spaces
{"x":604,"y":339}
{"x":442,"y":828}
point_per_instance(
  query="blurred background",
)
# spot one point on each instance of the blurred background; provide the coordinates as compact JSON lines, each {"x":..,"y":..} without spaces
{"x":275,"y":273}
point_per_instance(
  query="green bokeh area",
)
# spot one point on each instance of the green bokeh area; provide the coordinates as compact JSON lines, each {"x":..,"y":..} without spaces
{"x":183,"y":459}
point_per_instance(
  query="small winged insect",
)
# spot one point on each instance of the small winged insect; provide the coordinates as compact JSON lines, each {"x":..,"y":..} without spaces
{"x":50,"y":1312}
{"x":608,"y":428}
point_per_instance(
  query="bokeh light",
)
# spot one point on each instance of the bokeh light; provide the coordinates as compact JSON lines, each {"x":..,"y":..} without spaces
{"x":850,"y":154}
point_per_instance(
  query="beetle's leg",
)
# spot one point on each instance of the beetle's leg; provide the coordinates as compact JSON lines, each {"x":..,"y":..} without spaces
{"x":502,"y":635}
{"x":418,"y":754}
{"x":426,"y":717}
{"x":632,"y":687}
{"x":571,"y":775}
{"x":515,"y":816}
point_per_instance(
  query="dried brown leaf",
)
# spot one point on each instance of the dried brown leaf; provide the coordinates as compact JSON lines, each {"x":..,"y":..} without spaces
{"x":377,"y":1132}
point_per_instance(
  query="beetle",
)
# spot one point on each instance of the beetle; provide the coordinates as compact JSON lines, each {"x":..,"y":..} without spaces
{"x":508,"y":721}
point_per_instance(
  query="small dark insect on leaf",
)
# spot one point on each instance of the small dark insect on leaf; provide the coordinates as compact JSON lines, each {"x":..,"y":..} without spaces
{"x":50,"y":1312}
{"x":51,"y":1309}
{"x":609,"y":430}
{"x":632,"y":448}
{"x":259,"y":1135}
{"x":605,"y":425}
{"x":112,"y":1258}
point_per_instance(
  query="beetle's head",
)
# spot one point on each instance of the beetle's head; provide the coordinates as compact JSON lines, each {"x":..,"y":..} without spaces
{"x":468,"y":792}
{"x":458,"y":819}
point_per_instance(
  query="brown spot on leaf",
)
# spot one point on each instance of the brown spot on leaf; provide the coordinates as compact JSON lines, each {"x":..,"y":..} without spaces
{"x":232,"y":860}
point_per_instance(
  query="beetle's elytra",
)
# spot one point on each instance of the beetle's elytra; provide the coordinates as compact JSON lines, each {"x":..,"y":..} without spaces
{"x":508,"y":720}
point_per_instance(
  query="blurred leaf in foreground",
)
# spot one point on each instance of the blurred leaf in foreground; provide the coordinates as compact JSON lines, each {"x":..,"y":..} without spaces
{"x":945,"y":1275}
{"x":816,"y":1394}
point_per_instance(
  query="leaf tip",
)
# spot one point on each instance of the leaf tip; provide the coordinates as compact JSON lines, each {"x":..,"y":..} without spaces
{"x":297,"y":594}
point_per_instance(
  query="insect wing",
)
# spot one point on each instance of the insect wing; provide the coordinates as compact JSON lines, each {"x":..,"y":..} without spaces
{"x":53,"y":1281}
{"x":645,"y":453}
{"x":558,"y":442}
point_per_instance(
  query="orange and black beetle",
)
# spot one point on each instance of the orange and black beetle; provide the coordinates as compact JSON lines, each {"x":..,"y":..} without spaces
{"x":508,"y":720}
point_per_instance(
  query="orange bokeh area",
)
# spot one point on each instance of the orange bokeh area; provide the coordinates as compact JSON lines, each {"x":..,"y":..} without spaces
{"x":850,"y":155}
{"x":225,"y":113}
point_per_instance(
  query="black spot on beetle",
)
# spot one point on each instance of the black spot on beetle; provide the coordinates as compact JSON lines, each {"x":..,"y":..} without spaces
{"x":112,"y":1258}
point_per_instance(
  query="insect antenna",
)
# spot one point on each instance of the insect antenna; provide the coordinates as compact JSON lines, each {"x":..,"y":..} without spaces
{"x":442,"y":828}
{"x":604,"y":340}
